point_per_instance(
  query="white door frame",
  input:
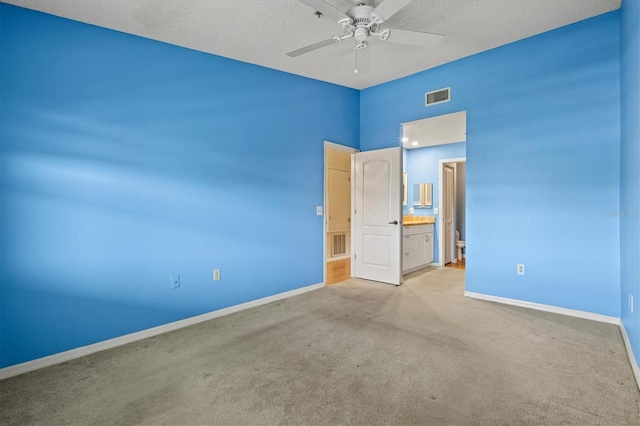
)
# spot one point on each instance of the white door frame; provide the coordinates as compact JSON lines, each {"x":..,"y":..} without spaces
{"x":443,"y":211}
{"x":441,"y":205}
{"x":338,"y":147}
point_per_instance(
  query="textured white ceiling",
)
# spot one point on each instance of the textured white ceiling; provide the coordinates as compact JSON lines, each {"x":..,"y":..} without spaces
{"x":262,"y":31}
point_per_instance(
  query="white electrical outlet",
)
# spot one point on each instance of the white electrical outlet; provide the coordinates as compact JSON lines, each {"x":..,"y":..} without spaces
{"x":411,"y":210}
{"x":520,"y":268}
{"x":435,"y":210}
{"x":216,"y":274}
{"x":175,"y":281}
{"x":318,"y":210}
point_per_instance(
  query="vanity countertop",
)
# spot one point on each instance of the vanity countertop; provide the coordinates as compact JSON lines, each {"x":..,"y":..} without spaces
{"x":418,"y":220}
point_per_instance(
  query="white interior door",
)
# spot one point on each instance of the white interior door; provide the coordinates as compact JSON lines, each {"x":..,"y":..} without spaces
{"x":448,"y":214}
{"x":378,"y":215}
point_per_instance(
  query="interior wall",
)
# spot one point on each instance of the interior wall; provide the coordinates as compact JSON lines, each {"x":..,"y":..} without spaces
{"x":630,"y":172}
{"x":125,"y":161}
{"x":422,"y":165}
{"x":543,"y":160}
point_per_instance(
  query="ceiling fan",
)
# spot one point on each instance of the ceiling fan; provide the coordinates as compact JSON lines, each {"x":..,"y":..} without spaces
{"x":361,"y":23}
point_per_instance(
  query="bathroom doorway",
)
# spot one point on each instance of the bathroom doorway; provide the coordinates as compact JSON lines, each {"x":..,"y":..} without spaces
{"x":453,"y":202}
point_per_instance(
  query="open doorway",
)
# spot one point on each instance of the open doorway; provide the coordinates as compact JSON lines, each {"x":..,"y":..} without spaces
{"x":435,"y":152}
{"x":338,"y":208}
{"x":362,"y":214}
{"x":453,"y":212}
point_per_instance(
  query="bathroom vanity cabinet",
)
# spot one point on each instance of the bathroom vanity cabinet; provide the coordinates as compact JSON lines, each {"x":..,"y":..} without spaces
{"x":417,"y":247}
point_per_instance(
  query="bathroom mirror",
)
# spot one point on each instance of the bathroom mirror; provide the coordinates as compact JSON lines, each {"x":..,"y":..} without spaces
{"x":423,"y":195}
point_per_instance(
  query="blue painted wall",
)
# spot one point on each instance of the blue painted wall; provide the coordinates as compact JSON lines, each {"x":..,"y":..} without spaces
{"x":423,"y":167}
{"x":543,"y":160}
{"x":124,"y":161}
{"x":630,"y":171}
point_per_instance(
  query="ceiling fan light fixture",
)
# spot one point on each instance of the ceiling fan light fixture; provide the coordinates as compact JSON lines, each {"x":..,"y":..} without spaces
{"x":361,"y":33}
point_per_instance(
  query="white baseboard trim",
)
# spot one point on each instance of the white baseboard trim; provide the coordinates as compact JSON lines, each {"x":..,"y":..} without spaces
{"x":545,"y":308}
{"x":632,"y":359}
{"x":47,"y":361}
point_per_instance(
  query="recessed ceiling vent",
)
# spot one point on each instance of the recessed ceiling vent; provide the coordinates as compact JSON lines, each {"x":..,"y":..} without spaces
{"x":437,"y":96}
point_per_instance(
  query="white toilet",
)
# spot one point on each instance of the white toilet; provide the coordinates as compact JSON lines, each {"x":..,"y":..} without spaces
{"x":460,"y":244}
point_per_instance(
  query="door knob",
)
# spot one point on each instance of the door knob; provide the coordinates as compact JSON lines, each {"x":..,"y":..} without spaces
{"x":395,"y":222}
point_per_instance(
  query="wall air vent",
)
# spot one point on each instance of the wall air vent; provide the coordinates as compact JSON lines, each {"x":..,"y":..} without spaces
{"x":339,"y":246}
{"x":437,"y":96}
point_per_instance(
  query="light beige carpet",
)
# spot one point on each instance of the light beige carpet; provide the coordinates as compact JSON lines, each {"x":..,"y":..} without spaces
{"x":353,"y":353}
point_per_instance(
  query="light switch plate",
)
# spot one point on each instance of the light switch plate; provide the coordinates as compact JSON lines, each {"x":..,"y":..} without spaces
{"x":318,"y":210}
{"x":411,"y":210}
{"x":435,"y":210}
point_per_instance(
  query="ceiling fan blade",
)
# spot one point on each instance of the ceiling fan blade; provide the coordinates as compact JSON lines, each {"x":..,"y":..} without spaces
{"x":413,"y":37}
{"x":362,"y":61}
{"x":312,"y":47}
{"x":388,"y":8}
{"x":326,"y":9}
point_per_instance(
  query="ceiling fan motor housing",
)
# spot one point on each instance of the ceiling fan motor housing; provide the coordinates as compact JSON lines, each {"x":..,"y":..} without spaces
{"x":361,"y":23}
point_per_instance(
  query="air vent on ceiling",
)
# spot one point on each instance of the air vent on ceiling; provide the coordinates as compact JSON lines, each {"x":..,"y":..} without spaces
{"x":437,"y":96}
